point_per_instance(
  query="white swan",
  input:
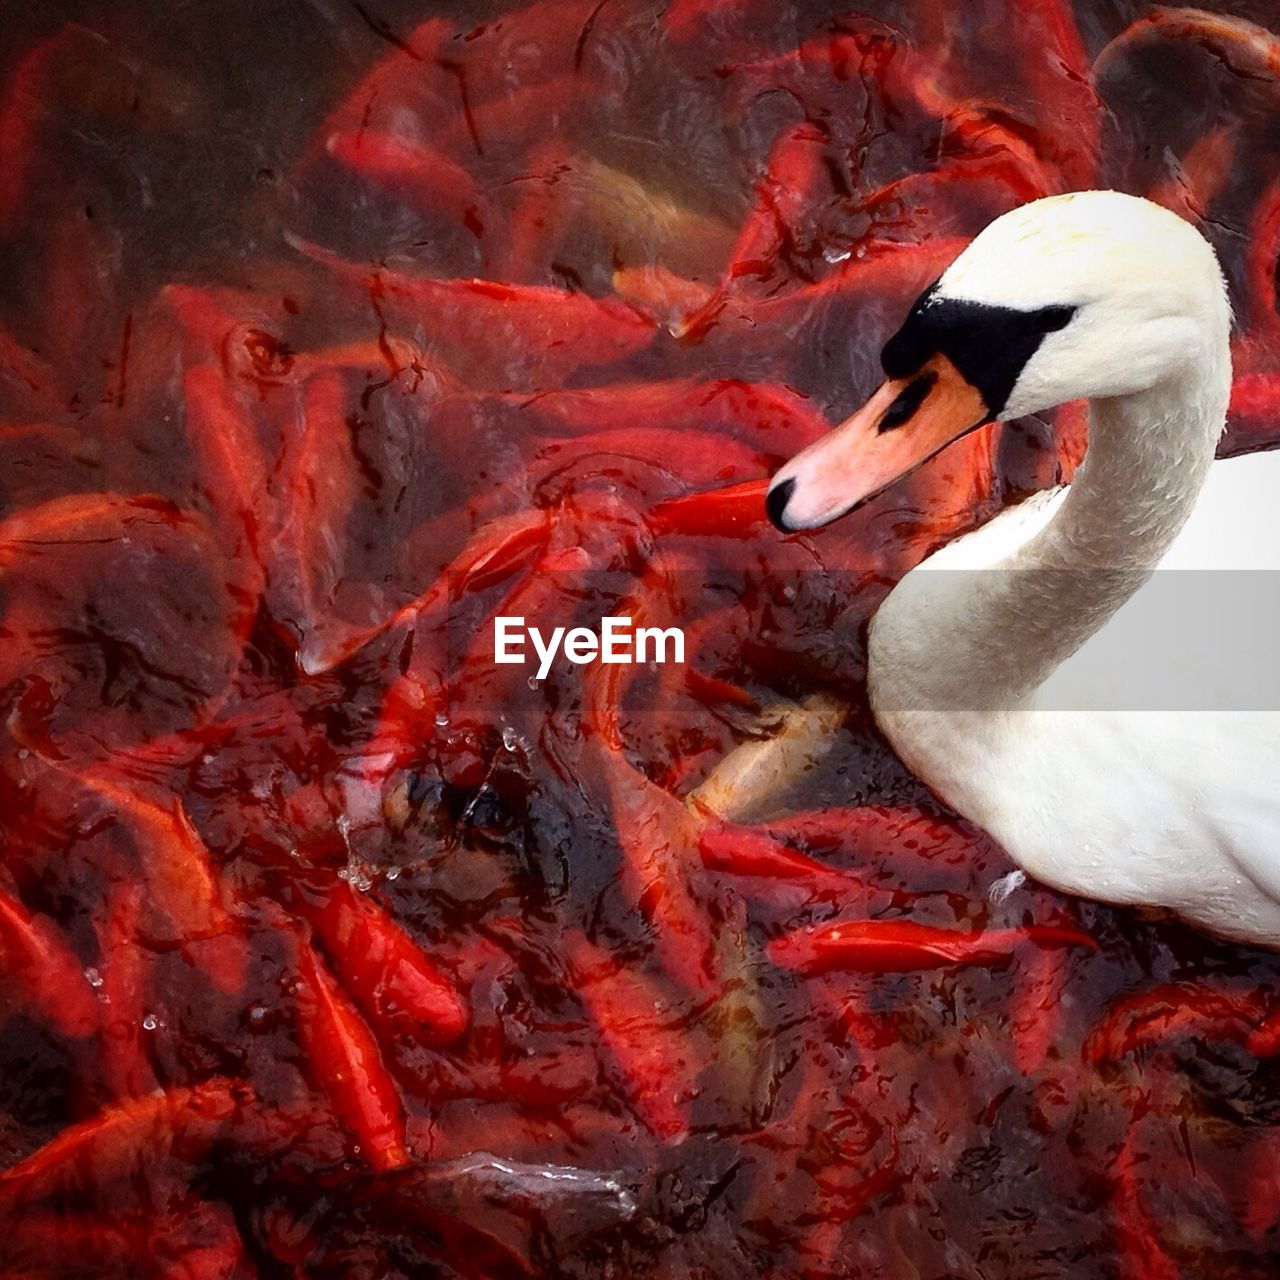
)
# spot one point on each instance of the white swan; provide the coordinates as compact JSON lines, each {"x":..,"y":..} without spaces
{"x":988,"y":665}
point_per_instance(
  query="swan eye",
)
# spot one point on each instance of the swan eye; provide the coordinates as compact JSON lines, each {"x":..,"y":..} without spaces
{"x":1054,"y":318}
{"x":910,"y":398}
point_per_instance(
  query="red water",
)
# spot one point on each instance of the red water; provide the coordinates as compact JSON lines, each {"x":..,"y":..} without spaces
{"x":327,"y":947}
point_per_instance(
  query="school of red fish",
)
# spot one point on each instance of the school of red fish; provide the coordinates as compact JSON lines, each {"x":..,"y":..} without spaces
{"x":328,"y":947}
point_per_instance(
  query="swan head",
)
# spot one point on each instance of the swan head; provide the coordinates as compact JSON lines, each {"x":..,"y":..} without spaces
{"x":1092,"y":294}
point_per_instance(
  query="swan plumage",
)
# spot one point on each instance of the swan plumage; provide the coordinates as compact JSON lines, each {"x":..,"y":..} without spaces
{"x":1018,"y":670}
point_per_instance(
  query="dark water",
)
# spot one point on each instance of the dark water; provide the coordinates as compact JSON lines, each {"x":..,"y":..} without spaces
{"x":330,"y":332}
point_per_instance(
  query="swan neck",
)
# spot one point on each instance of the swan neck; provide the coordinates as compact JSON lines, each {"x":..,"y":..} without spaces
{"x":985,"y":636}
{"x":1148,"y":458}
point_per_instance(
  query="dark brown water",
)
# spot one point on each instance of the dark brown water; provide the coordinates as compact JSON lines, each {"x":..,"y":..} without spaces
{"x":328,"y":947}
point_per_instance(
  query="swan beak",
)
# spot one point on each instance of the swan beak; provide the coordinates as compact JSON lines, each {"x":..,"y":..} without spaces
{"x":904,"y":424}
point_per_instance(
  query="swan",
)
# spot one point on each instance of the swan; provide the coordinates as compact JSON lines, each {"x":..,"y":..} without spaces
{"x":1010,"y":670}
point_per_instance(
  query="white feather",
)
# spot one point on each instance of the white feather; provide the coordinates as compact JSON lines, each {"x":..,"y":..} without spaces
{"x":1019,"y":670}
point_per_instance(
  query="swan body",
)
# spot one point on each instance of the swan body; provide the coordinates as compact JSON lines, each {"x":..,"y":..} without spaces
{"x":1138,"y":805}
{"x":1074,"y":676}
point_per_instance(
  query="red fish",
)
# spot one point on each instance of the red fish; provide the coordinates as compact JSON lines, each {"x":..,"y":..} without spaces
{"x":347,"y":1067}
{"x":122,"y":969}
{"x":48,"y":977}
{"x":900,"y":946}
{"x":383,"y":968}
{"x":112,"y":1143}
{"x":1171,"y":1010}
{"x":658,"y":1059}
{"x":179,"y":874}
{"x":427,"y":180}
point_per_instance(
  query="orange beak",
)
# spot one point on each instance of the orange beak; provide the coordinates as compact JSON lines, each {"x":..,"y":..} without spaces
{"x":903,"y":425}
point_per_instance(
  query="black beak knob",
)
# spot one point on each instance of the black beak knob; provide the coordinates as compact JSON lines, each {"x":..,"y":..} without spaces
{"x":775,"y":503}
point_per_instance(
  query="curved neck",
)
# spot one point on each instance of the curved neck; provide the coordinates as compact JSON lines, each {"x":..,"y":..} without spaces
{"x":1148,"y":458}
{"x":986,"y":636}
